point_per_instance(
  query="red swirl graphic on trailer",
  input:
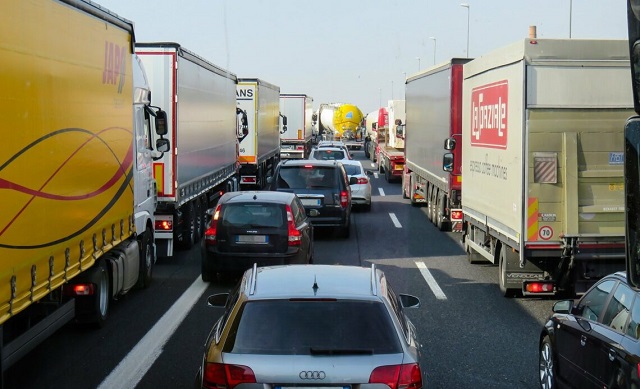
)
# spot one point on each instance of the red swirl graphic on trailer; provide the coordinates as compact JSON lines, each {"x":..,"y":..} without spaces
{"x":117,"y":183}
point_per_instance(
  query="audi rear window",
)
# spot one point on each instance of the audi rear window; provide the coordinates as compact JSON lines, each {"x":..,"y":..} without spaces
{"x":312,"y":327}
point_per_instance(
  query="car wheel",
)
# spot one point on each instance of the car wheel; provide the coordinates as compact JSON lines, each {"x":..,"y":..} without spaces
{"x":547,"y":365}
{"x":146,"y":260}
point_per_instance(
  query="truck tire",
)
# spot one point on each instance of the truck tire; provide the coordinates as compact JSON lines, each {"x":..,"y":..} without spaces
{"x":145,"y":242}
{"x":199,"y":210}
{"x":405,"y":195}
{"x":366,"y":149}
{"x":189,"y":226}
{"x":412,"y":191}
{"x":502,"y":274}
{"x":102,"y":296}
{"x":440,"y":210}
{"x":387,"y":174}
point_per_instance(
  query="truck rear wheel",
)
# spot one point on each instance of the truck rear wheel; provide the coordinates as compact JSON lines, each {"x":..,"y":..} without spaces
{"x":102,"y":295}
{"x":146,"y":260}
{"x":189,"y":226}
{"x":502,"y":273}
{"x":440,"y":210}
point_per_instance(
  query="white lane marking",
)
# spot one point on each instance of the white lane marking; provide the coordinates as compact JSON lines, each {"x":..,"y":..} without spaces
{"x":375,"y":174}
{"x":426,"y":274}
{"x":381,"y":191}
{"x":395,"y":220}
{"x":373,"y":164}
{"x":135,"y":365}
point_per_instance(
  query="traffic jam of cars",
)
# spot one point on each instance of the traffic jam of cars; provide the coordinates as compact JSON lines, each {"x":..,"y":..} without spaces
{"x":280,"y":314}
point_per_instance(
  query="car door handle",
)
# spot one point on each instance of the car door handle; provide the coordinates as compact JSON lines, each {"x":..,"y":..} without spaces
{"x":583,"y":340}
{"x":612,"y":354}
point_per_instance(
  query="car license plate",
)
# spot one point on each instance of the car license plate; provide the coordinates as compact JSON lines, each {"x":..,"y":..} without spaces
{"x":398,"y":167}
{"x":252,"y":239}
{"x":312,"y":202}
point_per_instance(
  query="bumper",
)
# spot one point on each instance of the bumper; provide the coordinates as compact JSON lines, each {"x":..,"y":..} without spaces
{"x":238,"y":262}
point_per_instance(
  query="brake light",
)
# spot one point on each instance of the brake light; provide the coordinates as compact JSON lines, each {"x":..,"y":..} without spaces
{"x":164,"y":225}
{"x":344,"y":199}
{"x":539,"y":287}
{"x":407,"y":376}
{"x":87,"y":289}
{"x":210,"y":237}
{"x":295,"y":237}
{"x":219,"y":375}
{"x":362,"y":180}
{"x":456,"y":215}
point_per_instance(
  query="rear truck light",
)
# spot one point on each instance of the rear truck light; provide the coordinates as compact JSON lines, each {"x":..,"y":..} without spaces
{"x":344,"y":199}
{"x":407,"y":376}
{"x":222,"y":376}
{"x":210,"y":237}
{"x":456,"y":215}
{"x":362,"y":180}
{"x":164,"y":225}
{"x":299,"y":148}
{"x":248,"y":180}
{"x":295,"y":237}
{"x":74,"y":290}
{"x":538,"y":287}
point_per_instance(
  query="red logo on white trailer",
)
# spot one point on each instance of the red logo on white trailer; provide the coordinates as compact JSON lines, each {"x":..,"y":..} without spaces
{"x":489,"y":105}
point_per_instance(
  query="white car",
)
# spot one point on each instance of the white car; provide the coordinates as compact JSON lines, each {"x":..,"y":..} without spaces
{"x":360,"y":192}
{"x":330,"y":154}
{"x":334,"y":143}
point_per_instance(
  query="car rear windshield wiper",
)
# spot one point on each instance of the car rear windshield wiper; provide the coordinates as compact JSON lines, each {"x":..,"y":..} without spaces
{"x":341,"y":351}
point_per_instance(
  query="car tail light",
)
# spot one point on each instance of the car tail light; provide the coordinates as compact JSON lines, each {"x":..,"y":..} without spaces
{"x":407,"y":376}
{"x":344,"y":199}
{"x":295,"y":237}
{"x":210,"y":237}
{"x":362,"y":180}
{"x":219,"y":375}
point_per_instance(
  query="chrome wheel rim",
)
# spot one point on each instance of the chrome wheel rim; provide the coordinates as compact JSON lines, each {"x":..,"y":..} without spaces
{"x":546,"y":367}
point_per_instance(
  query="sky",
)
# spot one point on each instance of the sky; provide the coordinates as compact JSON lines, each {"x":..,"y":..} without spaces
{"x":357,"y":51}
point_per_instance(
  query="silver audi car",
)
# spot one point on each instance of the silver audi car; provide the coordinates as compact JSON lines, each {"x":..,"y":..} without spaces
{"x":327,"y":326}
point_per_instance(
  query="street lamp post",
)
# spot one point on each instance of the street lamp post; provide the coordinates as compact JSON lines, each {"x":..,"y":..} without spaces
{"x":434,"y":49}
{"x":468,"y":7}
{"x":570,"y":16}
{"x":418,"y":58}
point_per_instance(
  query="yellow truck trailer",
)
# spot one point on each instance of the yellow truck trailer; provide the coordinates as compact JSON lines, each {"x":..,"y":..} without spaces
{"x":77,"y":193}
{"x":542,"y":162}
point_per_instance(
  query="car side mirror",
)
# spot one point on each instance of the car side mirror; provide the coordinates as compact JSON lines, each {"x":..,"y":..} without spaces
{"x":218,"y":300}
{"x":163,"y":145}
{"x":409,"y":301}
{"x":353,"y":180}
{"x":563,"y":306}
{"x":161,"y":123}
{"x":449,"y":144}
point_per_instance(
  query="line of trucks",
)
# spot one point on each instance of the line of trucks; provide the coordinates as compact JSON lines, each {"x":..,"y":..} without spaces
{"x":113,"y":151}
{"x":521,"y":150}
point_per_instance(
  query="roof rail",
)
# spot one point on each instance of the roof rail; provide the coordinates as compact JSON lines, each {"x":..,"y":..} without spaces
{"x":374,"y":289}
{"x":252,"y":280}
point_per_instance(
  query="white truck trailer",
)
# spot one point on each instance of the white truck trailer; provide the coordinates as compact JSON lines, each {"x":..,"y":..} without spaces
{"x":542,"y":162}
{"x":200,"y":101}
{"x":295,"y":137}
{"x":260,"y":146}
{"x":77,"y":193}
{"x":434,"y":115}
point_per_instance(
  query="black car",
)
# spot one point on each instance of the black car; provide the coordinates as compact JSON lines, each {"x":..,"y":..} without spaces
{"x":593,"y":343}
{"x":262,"y":227}
{"x":322,"y":186}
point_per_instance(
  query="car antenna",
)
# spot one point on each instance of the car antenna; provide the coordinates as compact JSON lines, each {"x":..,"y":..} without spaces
{"x":315,"y":286}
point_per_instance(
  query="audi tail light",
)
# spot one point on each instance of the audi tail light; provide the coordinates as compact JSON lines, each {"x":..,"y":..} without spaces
{"x":344,"y":199}
{"x":210,"y":237}
{"x":407,"y":376}
{"x":220,"y":375}
{"x":295,"y":237}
